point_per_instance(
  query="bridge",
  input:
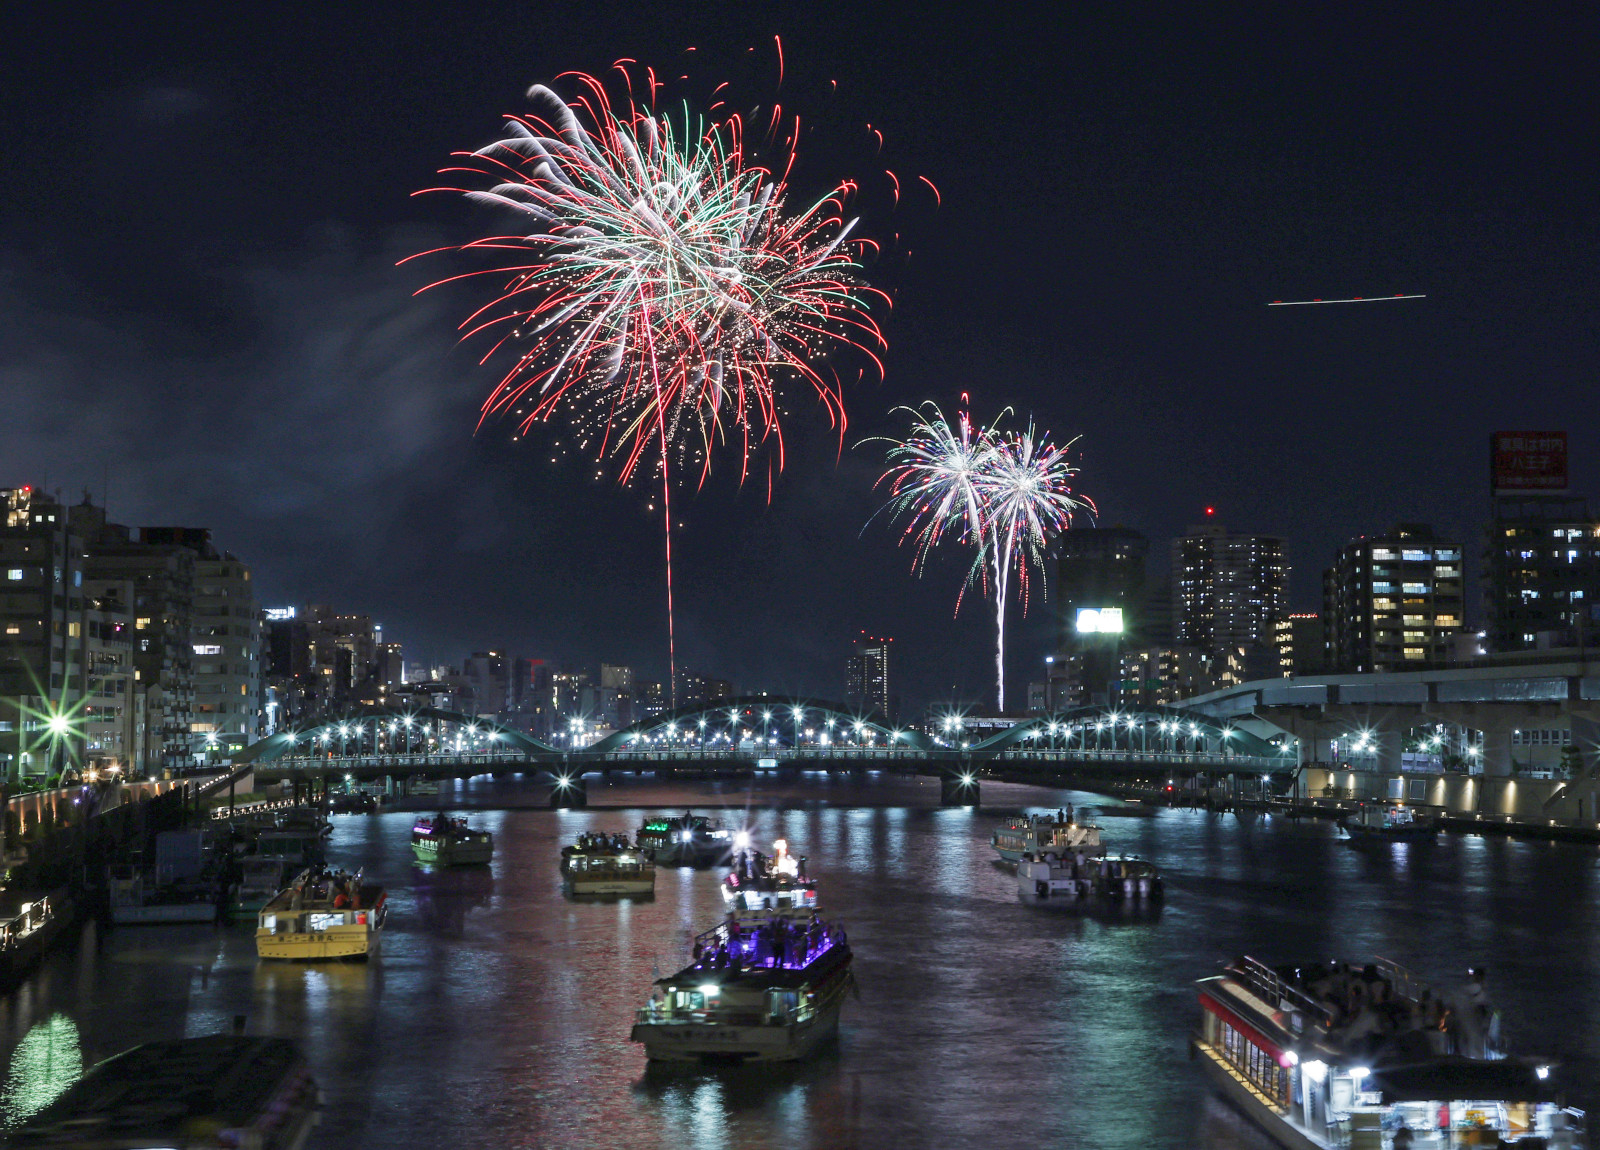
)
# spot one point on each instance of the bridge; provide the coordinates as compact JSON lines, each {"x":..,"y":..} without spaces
{"x":739,"y":735}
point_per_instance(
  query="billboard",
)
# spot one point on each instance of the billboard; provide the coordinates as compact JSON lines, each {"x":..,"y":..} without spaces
{"x":1100,"y":620}
{"x":1528,"y":462}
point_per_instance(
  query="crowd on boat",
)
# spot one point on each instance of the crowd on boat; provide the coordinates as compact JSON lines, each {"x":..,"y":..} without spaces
{"x":1368,"y":1013}
{"x":337,"y":888}
{"x":602,"y":842}
{"x":777,"y":943}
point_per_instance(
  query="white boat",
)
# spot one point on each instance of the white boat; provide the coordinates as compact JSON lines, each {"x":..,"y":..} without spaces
{"x":321,"y":916}
{"x":1035,"y":835}
{"x":1341,"y":1058}
{"x":766,"y":992}
{"x":1107,"y":880}
{"x":606,"y":865}
{"x":447,"y":840}
{"x":135,"y":900}
{"x":764,"y":886}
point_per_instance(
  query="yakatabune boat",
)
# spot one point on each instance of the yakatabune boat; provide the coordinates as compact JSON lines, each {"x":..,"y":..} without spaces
{"x":1034,"y":834}
{"x":689,"y":840}
{"x":763,"y":992}
{"x":1109,"y":880}
{"x":323,"y":915}
{"x":449,"y":841}
{"x":606,"y":865}
{"x":1334,"y":1057}
{"x":761,"y":885}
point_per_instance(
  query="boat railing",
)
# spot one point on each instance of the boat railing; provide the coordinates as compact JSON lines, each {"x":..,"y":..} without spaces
{"x":1271,"y":987}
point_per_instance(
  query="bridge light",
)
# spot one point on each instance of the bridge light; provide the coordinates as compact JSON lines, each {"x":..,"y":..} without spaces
{"x":966,"y":780}
{"x":766,"y":716}
{"x":563,"y":781}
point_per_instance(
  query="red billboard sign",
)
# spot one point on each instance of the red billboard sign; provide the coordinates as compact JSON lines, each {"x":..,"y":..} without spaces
{"x":1528,"y":462}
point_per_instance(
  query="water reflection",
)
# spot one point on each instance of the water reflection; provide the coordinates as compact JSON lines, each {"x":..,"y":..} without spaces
{"x":497,"y":1012}
{"x":43,"y":1065}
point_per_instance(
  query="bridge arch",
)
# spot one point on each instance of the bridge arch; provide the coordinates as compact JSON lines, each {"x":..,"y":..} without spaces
{"x":1133,"y":728}
{"x":391,"y":729}
{"x":763,"y":721}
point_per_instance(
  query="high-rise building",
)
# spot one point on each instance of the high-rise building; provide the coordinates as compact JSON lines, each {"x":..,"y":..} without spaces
{"x":867,"y":675}
{"x":485,"y":671}
{"x":1394,"y":602}
{"x":42,"y":656}
{"x":225,"y":638}
{"x":696,"y":687}
{"x":1229,"y":593}
{"x":1100,"y":586}
{"x":1541,"y":574}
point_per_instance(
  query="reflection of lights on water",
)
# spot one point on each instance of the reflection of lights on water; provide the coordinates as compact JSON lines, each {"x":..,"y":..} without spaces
{"x":45,"y":1063}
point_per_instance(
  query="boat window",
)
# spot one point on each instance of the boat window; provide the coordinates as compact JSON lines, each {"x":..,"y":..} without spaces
{"x":325,"y":921}
{"x":269,"y":922}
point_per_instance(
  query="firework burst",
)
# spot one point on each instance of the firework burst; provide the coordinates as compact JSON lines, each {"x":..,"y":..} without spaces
{"x":658,"y":291}
{"x":1006,"y":494}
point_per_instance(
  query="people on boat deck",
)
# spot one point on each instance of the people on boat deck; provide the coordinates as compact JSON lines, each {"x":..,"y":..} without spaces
{"x":772,"y":944}
{"x":1366,"y":1012}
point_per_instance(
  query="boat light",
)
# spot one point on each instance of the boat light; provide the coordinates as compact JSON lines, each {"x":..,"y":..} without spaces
{"x":1316,"y":1069}
{"x":711,"y":990}
{"x":1541,"y":1072}
{"x":742,"y":839}
{"x":1288,"y":1059}
{"x":1357,"y":1073}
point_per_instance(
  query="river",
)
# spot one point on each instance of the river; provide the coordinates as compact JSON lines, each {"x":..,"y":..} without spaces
{"x":497,"y":1014}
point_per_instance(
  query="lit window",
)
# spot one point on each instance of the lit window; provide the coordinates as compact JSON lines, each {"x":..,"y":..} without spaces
{"x":73,"y":630}
{"x":14,"y":573}
{"x":208,"y":649}
{"x":141,"y":624}
{"x":13,"y":629}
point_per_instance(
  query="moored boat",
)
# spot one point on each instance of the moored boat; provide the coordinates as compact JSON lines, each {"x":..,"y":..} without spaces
{"x":768,"y":992}
{"x":1389,"y":821}
{"x":687,"y":840}
{"x":1035,"y":835}
{"x":607,"y":865}
{"x":1107,"y":880}
{"x":1334,"y":1057}
{"x":774,"y":885}
{"x":136,"y":899}
{"x":28,"y":923}
{"x":260,"y":878}
{"x":323,"y":915}
{"x":448,"y":841}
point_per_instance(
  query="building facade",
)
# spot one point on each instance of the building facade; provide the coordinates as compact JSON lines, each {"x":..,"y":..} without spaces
{"x":867,"y":675}
{"x":1394,"y":602}
{"x":1541,"y":574}
{"x":1230,"y":592}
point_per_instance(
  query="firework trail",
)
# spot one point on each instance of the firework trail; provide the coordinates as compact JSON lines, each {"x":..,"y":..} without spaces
{"x":657,"y":290}
{"x":1006,"y":494}
{"x":1026,"y":489}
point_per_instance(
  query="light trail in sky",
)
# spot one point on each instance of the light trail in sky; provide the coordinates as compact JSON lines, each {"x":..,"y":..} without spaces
{"x":1352,"y":299}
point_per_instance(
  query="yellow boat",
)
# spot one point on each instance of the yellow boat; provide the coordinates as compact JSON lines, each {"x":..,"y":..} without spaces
{"x":322,"y":915}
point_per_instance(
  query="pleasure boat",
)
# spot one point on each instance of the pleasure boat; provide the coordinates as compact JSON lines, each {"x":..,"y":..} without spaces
{"x":28,"y":922}
{"x":1036,"y":835}
{"x":689,"y":840}
{"x":764,"y":886}
{"x":1389,"y":821}
{"x":448,"y":841}
{"x":600,"y":864}
{"x":764,"y":992}
{"x":1331,"y":1057}
{"x":136,"y":899}
{"x":322,"y":915}
{"x":1107,"y":880}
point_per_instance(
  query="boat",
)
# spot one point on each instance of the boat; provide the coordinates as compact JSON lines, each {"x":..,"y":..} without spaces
{"x":322,"y":915}
{"x":352,"y":803}
{"x":28,"y":924}
{"x":202,"y":1093}
{"x":1331,"y":1057}
{"x":448,"y":841}
{"x":260,"y":878}
{"x":767,"y":992}
{"x":1389,"y":821}
{"x":137,"y":900}
{"x":766,"y":886}
{"x":606,"y":865}
{"x":1036,"y":834}
{"x":1106,"y":880}
{"x":690,"y":840}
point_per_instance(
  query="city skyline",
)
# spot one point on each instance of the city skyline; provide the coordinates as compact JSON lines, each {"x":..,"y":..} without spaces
{"x":278,"y":383}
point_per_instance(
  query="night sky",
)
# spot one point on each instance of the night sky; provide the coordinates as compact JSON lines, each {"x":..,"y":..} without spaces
{"x":200,"y":308}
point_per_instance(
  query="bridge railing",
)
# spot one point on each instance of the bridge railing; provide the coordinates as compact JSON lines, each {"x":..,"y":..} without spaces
{"x":1155,"y":758}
